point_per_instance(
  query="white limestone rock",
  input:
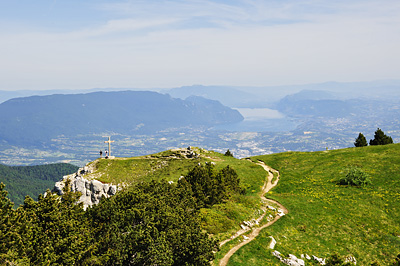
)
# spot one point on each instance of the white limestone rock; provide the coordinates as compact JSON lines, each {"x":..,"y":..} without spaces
{"x":281,"y":212}
{"x":273,"y":243}
{"x":277,"y":254}
{"x":291,"y":260}
{"x":319,"y":260}
{"x":301,"y":262}
{"x":351,"y":259}
{"x":91,"y":190}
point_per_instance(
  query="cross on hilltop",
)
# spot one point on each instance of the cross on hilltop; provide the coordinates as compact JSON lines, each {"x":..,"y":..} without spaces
{"x":109,"y":144}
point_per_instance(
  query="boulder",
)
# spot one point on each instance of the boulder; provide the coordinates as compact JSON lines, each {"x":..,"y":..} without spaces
{"x":291,"y":260}
{"x":319,"y":260}
{"x":351,"y":259}
{"x":277,"y":254}
{"x":273,"y":243}
{"x":281,"y":212}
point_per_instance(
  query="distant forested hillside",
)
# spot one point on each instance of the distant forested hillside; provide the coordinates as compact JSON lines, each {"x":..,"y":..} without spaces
{"x":36,"y":120}
{"x":32,"y":180}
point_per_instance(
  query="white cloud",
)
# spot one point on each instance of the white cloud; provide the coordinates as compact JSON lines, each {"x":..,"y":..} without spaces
{"x":125,"y":25}
{"x":176,"y":43}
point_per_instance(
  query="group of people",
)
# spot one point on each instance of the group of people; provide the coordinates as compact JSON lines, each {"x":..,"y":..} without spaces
{"x":101,"y":154}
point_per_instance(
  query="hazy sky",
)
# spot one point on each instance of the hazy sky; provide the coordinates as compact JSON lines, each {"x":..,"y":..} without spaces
{"x":76,"y":44}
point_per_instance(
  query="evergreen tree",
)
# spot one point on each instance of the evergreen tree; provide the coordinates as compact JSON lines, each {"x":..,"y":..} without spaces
{"x":210,"y":186}
{"x":6,"y":215}
{"x":151,"y":223}
{"x":380,"y":138}
{"x":361,"y":141}
{"x":50,"y":231}
{"x":228,"y":153}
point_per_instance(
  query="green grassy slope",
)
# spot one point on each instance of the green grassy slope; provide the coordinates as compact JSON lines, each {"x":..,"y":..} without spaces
{"x":222,"y":220}
{"x":326,"y":218}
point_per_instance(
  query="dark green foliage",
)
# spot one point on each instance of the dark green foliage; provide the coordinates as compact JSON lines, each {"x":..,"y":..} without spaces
{"x":5,"y":211}
{"x":32,"y":180}
{"x":210,"y":187}
{"x":152,"y":223}
{"x":355,"y":177}
{"x":48,"y":231}
{"x":397,"y":261}
{"x":228,"y":153}
{"x":361,"y":141}
{"x":335,"y":260}
{"x":380,"y":138}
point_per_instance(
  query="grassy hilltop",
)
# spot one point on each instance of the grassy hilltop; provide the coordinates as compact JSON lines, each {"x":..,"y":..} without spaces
{"x":221,"y":220}
{"x":324,"y":217}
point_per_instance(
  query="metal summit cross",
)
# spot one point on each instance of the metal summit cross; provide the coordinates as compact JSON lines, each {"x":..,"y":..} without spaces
{"x":109,"y":144}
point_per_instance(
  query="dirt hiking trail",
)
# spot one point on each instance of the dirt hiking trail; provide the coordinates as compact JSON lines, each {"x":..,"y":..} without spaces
{"x":256,"y":231}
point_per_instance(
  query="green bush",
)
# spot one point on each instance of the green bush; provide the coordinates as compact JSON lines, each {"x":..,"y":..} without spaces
{"x":355,"y":177}
{"x":336,"y":260}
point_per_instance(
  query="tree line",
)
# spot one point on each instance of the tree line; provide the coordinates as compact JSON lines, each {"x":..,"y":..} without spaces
{"x":380,"y":138}
{"x":148,"y":223}
{"x":32,"y":180}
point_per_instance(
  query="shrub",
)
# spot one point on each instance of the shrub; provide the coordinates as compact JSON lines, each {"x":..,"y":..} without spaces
{"x":355,"y":177}
{"x":336,"y":260}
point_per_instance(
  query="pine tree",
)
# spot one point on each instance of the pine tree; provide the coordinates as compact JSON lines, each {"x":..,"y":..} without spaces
{"x":380,"y":138}
{"x":361,"y":141}
{"x":228,"y":153}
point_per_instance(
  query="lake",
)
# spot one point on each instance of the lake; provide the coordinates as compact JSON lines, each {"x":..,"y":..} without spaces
{"x":260,"y":120}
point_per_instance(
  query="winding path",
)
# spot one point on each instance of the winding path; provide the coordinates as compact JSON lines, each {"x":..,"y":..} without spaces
{"x":256,"y":231}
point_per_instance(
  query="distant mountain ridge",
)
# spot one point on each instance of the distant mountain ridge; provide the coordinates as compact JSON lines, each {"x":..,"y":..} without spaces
{"x":36,"y":119}
{"x":229,"y":96}
{"x":314,"y":103}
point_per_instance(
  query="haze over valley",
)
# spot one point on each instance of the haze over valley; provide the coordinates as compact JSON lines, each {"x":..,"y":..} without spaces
{"x":70,"y":127}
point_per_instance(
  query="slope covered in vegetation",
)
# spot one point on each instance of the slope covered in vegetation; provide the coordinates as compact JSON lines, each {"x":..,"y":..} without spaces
{"x":159,"y":217}
{"x":162,"y":218}
{"x":221,"y":220}
{"x":327,"y":218}
{"x":32,"y":180}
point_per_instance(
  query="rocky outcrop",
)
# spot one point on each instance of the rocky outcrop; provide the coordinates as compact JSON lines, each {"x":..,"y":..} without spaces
{"x":91,"y":190}
{"x":291,"y":260}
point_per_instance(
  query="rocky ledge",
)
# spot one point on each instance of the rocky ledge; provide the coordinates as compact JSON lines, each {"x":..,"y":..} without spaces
{"x":91,"y":190}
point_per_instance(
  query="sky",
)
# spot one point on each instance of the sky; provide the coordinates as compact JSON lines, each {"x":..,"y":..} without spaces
{"x":83,"y":44}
